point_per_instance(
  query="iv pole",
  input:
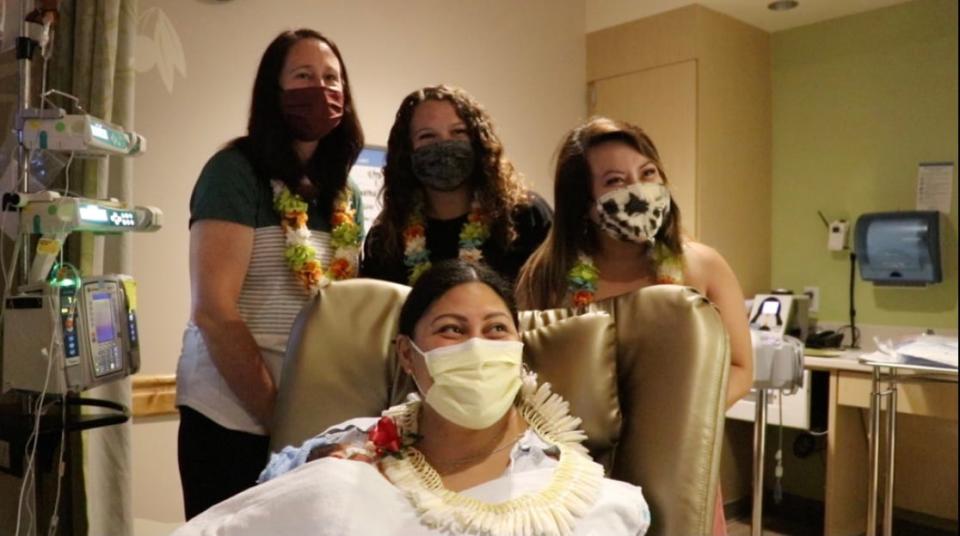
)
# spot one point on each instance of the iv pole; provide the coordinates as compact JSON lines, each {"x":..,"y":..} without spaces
{"x":25,"y":48}
{"x":44,"y":16}
{"x":759,"y":450}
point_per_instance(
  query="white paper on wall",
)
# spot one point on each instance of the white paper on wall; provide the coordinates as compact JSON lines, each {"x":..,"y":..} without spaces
{"x":935,"y":186}
{"x":367,"y":174}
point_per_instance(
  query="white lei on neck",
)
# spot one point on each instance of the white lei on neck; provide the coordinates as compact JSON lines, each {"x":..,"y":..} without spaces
{"x":551,"y":511}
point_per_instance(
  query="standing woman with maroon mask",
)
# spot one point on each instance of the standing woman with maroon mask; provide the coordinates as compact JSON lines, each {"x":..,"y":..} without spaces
{"x":273,"y":217}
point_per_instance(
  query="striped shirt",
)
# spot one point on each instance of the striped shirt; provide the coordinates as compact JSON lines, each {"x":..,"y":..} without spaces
{"x":270,"y":297}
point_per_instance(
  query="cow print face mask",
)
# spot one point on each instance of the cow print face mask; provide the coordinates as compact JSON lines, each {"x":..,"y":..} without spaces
{"x":635,"y":212}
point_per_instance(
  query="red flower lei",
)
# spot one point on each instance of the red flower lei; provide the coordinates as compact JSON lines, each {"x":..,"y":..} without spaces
{"x":385,"y":437}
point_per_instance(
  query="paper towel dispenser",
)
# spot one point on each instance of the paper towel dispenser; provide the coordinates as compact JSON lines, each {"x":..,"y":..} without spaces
{"x":899,"y":248}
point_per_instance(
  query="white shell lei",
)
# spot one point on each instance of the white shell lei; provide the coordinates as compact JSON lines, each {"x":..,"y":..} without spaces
{"x":551,"y":511}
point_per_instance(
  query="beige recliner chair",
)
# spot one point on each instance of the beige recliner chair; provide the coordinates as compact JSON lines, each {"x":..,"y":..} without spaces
{"x":648,"y":378}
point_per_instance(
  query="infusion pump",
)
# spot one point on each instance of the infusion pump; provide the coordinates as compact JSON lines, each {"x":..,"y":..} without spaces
{"x":81,"y":134}
{"x":81,"y":333}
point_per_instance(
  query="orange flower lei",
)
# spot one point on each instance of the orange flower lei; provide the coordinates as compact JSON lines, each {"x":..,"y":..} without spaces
{"x":583,"y":278}
{"x":416,"y":256}
{"x":345,"y":237}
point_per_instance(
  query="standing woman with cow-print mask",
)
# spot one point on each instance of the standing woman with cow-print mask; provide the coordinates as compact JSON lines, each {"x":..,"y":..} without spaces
{"x":617,"y":229}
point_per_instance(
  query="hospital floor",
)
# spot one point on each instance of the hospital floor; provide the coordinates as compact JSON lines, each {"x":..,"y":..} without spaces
{"x":779,"y":526}
{"x":772,"y":527}
{"x":796,"y":516}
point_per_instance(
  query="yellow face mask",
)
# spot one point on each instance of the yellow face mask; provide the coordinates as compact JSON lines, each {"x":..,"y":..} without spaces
{"x":474,"y":382}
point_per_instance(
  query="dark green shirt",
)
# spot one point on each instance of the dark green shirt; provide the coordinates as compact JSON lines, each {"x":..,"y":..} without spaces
{"x":271,"y":297}
{"x":229,"y":190}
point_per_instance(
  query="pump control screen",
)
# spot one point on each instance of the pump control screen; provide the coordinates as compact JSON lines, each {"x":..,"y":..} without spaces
{"x":106,"y":342}
{"x":98,"y":131}
{"x":103,"y":317}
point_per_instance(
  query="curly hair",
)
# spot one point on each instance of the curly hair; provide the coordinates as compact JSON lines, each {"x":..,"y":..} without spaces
{"x":542,"y":283}
{"x":495,"y":182}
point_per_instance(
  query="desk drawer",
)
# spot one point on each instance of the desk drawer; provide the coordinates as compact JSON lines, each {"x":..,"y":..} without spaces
{"x":930,"y":399}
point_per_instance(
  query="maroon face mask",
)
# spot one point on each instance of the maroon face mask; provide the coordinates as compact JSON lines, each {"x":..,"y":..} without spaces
{"x":311,"y":112}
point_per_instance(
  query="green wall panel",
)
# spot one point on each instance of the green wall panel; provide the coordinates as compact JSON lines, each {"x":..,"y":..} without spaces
{"x":858,"y":102}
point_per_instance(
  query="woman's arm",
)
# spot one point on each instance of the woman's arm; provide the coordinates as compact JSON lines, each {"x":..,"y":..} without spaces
{"x":219,"y":257}
{"x":723,"y":289}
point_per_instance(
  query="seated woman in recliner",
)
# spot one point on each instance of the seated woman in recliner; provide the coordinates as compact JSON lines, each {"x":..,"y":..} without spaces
{"x":486,"y":451}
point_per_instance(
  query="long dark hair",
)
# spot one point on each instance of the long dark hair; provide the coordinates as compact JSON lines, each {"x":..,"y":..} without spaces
{"x":495,"y":181}
{"x":442,"y":277}
{"x":268,"y":143}
{"x":542,"y":282}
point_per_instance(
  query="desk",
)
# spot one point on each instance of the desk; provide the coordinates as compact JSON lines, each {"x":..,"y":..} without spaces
{"x":887,"y":442}
{"x":848,"y":475}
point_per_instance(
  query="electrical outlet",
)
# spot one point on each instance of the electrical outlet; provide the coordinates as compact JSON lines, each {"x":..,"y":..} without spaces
{"x":814,"y":293}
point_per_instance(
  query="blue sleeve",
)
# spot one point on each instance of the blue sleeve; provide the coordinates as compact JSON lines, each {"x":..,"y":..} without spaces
{"x":292,"y":457}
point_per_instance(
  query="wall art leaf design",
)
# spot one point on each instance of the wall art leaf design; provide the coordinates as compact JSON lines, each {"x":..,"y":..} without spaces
{"x":158,"y":46}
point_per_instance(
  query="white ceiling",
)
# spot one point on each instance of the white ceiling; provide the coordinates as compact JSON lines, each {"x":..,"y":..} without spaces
{"x":604,"y":13}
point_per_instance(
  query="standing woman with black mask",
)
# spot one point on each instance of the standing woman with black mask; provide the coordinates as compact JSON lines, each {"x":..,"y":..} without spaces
{"x":449,"y":192}
{"x":273,"y":218}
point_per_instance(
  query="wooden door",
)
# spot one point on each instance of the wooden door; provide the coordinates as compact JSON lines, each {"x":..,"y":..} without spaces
{"x":663,"y":102}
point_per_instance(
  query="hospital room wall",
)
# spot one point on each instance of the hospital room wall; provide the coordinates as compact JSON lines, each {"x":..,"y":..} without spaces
{"x":525,"y":61}
{"x":858,"y":102}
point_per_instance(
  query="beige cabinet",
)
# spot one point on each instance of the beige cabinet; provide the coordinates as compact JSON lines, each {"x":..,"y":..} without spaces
{"x":698,"y":83}
{"x":663,"y":101}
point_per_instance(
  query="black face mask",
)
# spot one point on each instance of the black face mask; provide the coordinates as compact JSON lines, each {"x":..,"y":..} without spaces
{"x":444,"y":165}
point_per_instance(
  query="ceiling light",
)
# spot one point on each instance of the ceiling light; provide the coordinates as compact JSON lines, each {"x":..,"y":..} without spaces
{"x":782,"y":5}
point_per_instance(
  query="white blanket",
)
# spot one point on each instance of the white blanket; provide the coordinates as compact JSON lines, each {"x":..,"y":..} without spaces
{"x":334,"y":497}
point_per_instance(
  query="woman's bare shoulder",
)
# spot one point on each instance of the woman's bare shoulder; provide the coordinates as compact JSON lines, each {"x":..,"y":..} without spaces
{"x":699,"y":252}
{"x":704,"y":266}
{"x":699,"y":257}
